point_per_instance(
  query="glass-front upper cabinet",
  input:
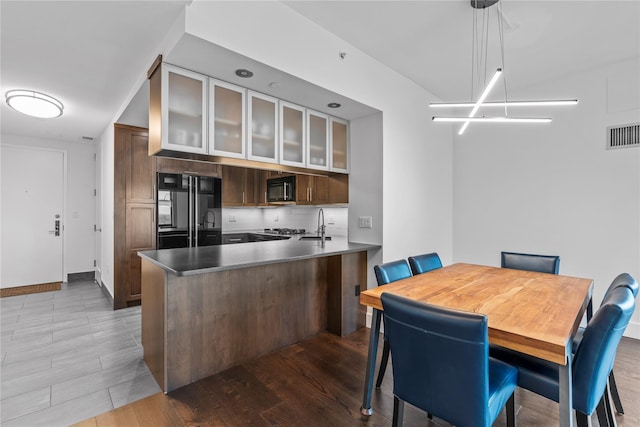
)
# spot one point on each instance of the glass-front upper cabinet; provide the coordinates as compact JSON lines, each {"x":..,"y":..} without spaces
{"x":292,"y":134}
{"x":317,"y":140}
{"x":263,"y":125}
{"x":184,"y":112}
{"x":227,"y":106}
{"x":339,"y":145}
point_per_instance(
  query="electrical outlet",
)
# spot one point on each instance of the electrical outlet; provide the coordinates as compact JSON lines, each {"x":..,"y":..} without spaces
{"x":276,"y":218}
{"x":331,"y":220}
{"x":232,"y":218}
{"x":365,"y":222}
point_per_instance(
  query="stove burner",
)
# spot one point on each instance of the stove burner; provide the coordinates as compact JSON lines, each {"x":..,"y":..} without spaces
{"x":285,"y":231}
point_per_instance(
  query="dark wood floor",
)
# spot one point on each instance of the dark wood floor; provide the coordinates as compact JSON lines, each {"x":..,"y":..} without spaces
{"x":318,"y":382}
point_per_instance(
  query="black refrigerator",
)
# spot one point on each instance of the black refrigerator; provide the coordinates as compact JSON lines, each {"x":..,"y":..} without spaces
{"x":189,"y":211}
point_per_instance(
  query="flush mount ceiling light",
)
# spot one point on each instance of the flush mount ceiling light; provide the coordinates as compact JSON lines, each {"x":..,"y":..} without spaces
{"x":334,"y":105}
{"x":479,"y":49}
{"x":34,"y":103}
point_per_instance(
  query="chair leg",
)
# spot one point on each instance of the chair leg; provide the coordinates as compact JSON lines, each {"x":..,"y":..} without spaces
{"x":511,"y":411}
{"x":607,"y":404}
{"x":614,"y":393}
{"x":398,"y":412}
{"x":603,"y":412}
{"x":583,"y":420}
{"x":383,"y":363}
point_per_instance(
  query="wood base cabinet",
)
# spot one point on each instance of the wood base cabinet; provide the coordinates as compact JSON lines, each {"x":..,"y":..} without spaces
{"x":197,"y":325}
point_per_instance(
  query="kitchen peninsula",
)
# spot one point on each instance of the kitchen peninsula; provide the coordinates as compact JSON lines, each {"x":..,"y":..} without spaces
{"x":206,"y":309}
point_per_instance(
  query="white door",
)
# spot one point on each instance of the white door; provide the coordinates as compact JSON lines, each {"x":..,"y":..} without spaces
{"x":32,"y":205}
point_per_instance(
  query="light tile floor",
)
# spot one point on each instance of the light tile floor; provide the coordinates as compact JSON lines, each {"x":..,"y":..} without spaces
{"x":68,"y":356}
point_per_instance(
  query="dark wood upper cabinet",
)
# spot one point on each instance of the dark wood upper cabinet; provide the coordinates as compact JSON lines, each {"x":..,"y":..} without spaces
{"x":338,"y":188}
{"x":239,"y":186}
{"x":169,"y":165}
{"x":312,"y":190}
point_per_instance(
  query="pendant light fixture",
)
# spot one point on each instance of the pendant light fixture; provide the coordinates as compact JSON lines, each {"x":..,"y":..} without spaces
{"x":479,"y":55}
{"x":34,"y":103}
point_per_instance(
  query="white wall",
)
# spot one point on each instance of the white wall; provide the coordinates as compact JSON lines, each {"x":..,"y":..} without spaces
{"x":413,"y":207}
{"x":106,"y":260}
{"x":554,"y":189}
{"x":365,"y":182}
{"x":106,"y":143}
{"x":80,"y":208}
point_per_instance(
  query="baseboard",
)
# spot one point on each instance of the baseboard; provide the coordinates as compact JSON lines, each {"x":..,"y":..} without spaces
{"x":633,"y":330}
{"x":368,"y":321}
{"x":82,"y":276}
{"x":30,"y":289}
{"x":106,"y":293}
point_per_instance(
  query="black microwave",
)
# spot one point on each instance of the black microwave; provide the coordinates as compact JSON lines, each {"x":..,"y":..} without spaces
{"x":281,"y":190}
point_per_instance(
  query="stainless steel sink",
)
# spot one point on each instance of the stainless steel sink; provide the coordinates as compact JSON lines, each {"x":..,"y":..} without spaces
{"x":314,"y":238}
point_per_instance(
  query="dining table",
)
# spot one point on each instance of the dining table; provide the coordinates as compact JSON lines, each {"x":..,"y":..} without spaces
{"x":533,"y":313}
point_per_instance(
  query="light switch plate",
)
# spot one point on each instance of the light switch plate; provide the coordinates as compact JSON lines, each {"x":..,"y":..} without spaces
{"x":365,"y":222}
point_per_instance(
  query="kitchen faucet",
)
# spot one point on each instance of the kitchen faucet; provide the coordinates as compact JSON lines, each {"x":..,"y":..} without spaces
{"x":321,"y":228}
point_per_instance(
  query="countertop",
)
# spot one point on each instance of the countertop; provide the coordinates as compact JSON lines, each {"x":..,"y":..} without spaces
{"x":207,"y":259}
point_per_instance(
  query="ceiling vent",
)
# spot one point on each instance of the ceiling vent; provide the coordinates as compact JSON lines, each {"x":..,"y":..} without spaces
{"x":623,"y":136}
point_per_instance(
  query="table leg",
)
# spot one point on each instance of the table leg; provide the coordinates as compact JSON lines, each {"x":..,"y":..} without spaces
{"x":371,"y":363}
{"x":566,"y":391}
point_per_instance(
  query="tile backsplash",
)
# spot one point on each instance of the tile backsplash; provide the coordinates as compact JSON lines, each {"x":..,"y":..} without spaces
{"x":336,"y":219}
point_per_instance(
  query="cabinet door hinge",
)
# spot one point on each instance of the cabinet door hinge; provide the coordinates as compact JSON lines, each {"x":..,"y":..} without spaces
{"x":94,"y":263}
{"x":95,"y":192}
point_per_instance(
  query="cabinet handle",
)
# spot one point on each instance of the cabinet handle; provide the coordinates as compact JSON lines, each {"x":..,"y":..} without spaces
{"x":311,"y":194}
{"x":265,"y":197}
{"x":243,"y":197}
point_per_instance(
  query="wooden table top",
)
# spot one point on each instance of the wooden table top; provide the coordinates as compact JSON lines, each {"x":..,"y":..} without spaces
{"x":534,"y":313}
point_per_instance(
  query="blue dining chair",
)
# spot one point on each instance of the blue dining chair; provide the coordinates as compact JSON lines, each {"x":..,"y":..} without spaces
{"x":592,"y":362}
{"x":441,"y":364}
{"x":424,"y":263}
{"x":530,"y":262}
{"x":387,"y":273}
{"x":625,"y":280}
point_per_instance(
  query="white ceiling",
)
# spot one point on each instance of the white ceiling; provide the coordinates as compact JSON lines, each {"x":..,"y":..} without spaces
{"x":89,"y":54}
{"x":430,"y":41}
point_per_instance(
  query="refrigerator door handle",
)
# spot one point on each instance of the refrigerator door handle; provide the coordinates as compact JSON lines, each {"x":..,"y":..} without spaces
{"x":190,"y":213}
{"x":196,"y":213}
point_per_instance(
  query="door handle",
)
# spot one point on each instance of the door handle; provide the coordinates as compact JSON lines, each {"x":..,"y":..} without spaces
{"x":56,"y":231}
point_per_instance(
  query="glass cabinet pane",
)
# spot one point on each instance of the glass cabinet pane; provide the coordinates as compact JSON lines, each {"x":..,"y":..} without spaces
{"x":262,"y":136}
{"x":339,"y":145}
{"x":292,"y":134}
{"x":185,"y":111}
{"x":318,"y":139}
{"x":227,"y":123}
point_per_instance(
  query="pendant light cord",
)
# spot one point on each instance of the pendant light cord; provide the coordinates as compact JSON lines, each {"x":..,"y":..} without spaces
{"x":473,"y":49}
{"x":479,"y":49}
{"x":485,"y":35}
{"x":501,"y":33}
